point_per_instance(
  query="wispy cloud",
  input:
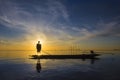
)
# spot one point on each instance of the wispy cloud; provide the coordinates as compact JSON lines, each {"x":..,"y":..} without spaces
{"x":103,"y":30}
{"x":5,"y":42}
{"x":36,"y":25}
{"x":43,"y":21}
{"x":57,"y":9}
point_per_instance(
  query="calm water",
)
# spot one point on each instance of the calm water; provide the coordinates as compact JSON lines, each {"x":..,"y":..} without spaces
{"x":17,"y":65}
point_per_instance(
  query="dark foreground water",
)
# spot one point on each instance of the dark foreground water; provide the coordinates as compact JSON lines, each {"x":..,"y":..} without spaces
{"x":17,"y":65}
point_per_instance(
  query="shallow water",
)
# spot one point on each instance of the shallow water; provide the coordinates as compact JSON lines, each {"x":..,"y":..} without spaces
{"x":17,"y":65}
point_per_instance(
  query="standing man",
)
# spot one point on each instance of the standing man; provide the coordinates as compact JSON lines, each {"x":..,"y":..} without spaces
{"x":38,"y":46}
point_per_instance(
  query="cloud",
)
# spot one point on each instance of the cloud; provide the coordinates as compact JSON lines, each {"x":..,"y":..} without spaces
{"x":109,"y":29}
{"x":43,"y":21}
{"x":101,"y":30}
{"x":4,"y":42}
{"x":57,"y":9}
{"x":15,"y":15}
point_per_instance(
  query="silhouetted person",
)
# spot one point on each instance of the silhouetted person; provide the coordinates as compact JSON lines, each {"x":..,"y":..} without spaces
{"x":38,"y":66}
{"x":38,"y":46}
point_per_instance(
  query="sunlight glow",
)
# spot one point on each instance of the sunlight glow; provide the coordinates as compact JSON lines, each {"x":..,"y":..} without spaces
{"x":36,"y":41}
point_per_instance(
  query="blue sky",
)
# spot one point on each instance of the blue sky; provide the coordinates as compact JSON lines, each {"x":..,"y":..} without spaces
{"x":61,"y":22}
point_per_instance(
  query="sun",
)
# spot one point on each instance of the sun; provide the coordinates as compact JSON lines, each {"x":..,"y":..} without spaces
{"x":41,"y":41}
{"x":36,"y":41}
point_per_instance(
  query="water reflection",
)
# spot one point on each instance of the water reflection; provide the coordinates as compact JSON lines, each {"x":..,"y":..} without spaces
{"x":92,"y":60}
{"x":18,"y":65}
{"x":38,"y":66}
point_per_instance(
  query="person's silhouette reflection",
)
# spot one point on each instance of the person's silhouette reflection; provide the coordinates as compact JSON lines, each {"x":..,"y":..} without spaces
{"x":92,"y":61}
{"x":38,"y":66}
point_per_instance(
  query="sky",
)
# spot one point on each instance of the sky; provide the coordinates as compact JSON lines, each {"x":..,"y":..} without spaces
{"x":59,"y":24}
